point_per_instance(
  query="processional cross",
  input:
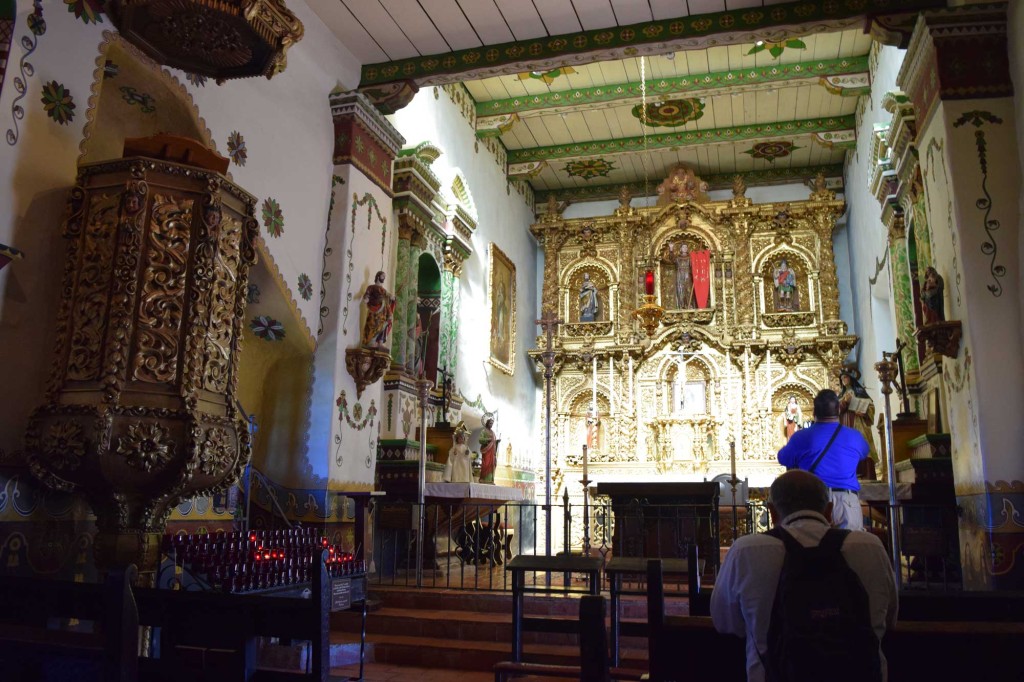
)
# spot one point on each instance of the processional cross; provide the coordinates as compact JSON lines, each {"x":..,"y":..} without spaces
{"x":446,"y":387}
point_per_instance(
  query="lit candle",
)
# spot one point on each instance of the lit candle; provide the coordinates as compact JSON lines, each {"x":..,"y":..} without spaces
{"x":732,"y":458}
{"x":585,"y":462}
{"x":649,"y":282}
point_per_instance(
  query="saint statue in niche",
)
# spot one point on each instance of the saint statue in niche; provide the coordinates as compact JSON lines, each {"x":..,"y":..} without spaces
{"x":784,"y":281}
{"x":488,"y":450}
{"x":593,"y":434}
{"x":589,"y":302}
{"x":792,"y":418}
{"x":680,"y":253}
{"x":380,"y":309}
{"x":932,"y":299}
{"x":459,"y":467}
{"x":858,"y":412}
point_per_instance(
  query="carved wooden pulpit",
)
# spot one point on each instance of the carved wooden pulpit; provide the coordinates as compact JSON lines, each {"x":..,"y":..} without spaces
{"x":662,"y":520}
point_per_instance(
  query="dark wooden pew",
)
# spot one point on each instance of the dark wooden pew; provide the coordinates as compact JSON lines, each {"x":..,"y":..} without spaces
{"x":35,"y":646}
{"x":594,"y":659}
{"x":689,"y":648}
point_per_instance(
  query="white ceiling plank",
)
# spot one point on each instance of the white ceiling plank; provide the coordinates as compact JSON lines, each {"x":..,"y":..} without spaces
{"x":558,"y":131}
{"x":742,"y":4}
{"x":495,"y":89}
{"x":487,"y":21}
{"x":597,"y":125}
{"x":349,"y":31}
{"x":787,"y":98}
{"x":480,"y":90}
{"x":539,"y":131}
{"x":522,"y":18}
{"x":696,"y":61}
{"x":668,"y":9}
{"x":705,"y":6}
{"x":416,"y":25}
{"x":631,"y":12}
{"x":826,"y":45}
{"x":594,"y":14}
{"x":452,"y":23}
{"x":718,"y":58}
{"x":383,"y":28}
{"x":559,"y":17}
{"x":721,"y":106}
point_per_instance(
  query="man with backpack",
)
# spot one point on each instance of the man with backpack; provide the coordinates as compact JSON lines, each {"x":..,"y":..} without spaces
{"x":832,"y":452}
{"x":811,"y":601}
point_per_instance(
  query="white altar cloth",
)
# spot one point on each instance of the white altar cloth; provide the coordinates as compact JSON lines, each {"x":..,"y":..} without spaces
{"x":476,"y":492}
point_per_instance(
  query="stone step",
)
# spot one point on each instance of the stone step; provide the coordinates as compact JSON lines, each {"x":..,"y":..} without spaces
{"x":461,"y":625}
{"x":632,"y":606}
{"x":468,"y":655}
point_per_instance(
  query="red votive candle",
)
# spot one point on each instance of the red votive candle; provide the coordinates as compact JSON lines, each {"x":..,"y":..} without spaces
{"x":649,"y":282}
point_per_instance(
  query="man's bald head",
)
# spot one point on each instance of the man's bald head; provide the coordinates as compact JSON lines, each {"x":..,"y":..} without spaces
{"x":796,"y":491}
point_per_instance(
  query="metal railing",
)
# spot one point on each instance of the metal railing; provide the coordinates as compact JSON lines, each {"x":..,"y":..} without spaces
{"x":468,"y":545}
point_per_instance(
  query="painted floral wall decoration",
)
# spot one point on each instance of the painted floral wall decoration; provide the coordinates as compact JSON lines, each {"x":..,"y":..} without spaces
{"x":769,"y":151}
{"x":58,"y":103}
{"x":267,"y":328}
{"x":89,"y":11}
{"x":143,"y":100}
{"x":196,"y":79}
{"x":236,"y":148}
{"x":110,"y":70}
{"x":252,"y":294}
{"x":29,"y":43}
{"x":672,"y":113}
{"x":273,"y":219}
{"x":305,"y":287}
{"x":589,"y":169}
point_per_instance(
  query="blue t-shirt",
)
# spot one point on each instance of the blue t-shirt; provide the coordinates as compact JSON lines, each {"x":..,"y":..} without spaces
{"x":838,"y":468}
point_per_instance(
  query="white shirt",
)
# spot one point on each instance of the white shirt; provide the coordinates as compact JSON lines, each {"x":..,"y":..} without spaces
{"x":741,"y":602}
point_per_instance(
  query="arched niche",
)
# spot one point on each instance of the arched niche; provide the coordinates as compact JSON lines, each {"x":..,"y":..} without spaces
{"x":689,"y":394}
{"x":586,"y":428}
{"x":8,"y":14}
{"x":427,"y":331}
{"x":804,"y":395}
{"x":601,"y":274}
{"x":677,"y":281}
{"x":786,"y":279}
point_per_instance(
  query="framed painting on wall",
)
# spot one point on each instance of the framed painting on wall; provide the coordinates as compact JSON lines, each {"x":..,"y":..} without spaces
{"x":501,"y":290}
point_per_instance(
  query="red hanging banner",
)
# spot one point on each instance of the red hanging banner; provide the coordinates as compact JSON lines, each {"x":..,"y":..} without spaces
{"x":700,"y":265}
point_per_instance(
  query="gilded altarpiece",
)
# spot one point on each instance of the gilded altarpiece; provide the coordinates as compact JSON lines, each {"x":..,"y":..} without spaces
{"x":763,"y":326}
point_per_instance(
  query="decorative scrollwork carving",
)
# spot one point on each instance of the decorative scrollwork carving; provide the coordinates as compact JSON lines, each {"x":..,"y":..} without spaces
{"x":776,"y":320}
{"x":218,"y":451}
{"x":65,"y":444}
{"x":146,"y":446}
{"x":695,"y":316}
{"x":587,"y":329}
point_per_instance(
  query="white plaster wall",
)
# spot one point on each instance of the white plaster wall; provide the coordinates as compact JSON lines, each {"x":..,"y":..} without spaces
{"x":286,"y":123}
{"x":1015,"y":40}
{"x":873,"y":314}
{"x":503,"y":218}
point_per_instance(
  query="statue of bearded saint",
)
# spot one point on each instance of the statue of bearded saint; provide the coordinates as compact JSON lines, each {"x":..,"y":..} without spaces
{"x":380,"y":310}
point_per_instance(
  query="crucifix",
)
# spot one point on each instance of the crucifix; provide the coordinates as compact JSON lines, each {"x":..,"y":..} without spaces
{"x":681,"y":355}
{"x":446,"y":388}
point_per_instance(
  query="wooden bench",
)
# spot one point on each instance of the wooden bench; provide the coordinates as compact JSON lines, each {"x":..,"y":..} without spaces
{"x":526,"y":563}
{"x":689,"y":648}
{"x":32,"y":649}
{"x":594,"y":664}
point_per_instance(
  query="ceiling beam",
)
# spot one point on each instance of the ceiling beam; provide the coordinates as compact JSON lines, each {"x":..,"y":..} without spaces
{"x":774,"y":22}
{"x":838,"y":130}
{"x":853,"y":70}
{"x":755,"y":178}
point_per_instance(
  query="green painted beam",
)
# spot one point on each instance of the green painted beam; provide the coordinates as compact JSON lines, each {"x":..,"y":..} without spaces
{"x":767,"y":176}
{"x":660,"y":88}
{"x":682,"y":138}
{"x":718,"y":28}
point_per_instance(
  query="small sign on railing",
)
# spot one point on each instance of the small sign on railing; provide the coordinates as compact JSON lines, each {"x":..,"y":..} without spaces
{"x":341,"y":594}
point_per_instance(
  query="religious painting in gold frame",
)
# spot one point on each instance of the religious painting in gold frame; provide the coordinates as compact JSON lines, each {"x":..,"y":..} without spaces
{"x":501,"y":292}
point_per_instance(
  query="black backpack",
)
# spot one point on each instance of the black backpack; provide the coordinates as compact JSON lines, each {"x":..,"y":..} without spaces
{"x":820,"y":627}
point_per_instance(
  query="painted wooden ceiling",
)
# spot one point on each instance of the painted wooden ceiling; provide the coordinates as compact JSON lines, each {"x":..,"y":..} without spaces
{"x":765,"y":88}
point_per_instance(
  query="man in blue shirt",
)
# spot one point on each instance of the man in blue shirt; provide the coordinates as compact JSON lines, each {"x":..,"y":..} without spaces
{"x":843,"y":448}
